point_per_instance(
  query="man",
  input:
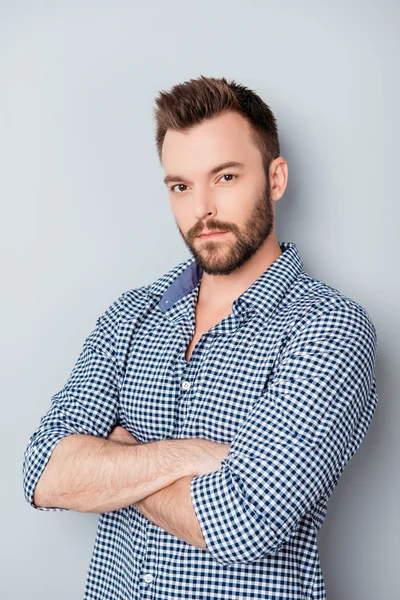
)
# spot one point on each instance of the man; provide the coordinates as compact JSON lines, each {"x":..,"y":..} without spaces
{"x":211,"y":413}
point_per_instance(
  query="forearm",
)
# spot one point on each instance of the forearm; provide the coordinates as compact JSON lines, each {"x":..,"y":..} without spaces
{"x":91,"y":474}
{"x":171,"y":509}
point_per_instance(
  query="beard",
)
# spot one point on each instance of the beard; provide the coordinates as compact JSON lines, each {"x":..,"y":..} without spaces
{"x":219,"y":258}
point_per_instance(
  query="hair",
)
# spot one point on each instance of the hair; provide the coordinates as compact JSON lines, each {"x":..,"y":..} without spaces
{"x":197,"y":100}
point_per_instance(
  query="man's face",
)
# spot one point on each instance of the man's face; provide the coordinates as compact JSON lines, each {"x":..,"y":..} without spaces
{"x":234,"y":199}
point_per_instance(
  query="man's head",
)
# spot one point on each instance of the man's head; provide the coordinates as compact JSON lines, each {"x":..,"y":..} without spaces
{"x":218,"y":144}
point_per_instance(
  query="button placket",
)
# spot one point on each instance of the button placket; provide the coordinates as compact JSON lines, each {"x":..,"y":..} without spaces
{"x":188,"y":374}
{"x":149,"y":567}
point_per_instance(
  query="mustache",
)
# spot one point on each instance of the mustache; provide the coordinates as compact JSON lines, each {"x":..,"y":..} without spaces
{"x":211,"y":226}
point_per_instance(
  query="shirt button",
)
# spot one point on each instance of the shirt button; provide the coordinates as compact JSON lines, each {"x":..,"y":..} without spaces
{"x":186,"y":385}
{"x":148,"y":577}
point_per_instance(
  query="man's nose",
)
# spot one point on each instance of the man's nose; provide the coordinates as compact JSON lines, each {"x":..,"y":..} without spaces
{"x":203,"y":203}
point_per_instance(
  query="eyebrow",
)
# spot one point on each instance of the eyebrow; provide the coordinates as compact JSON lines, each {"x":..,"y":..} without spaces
{"x":213,"y":171}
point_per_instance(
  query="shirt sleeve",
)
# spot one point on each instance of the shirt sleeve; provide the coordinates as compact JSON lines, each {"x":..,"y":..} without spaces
{"x":87,"y":404}
{"x":295,"y":441}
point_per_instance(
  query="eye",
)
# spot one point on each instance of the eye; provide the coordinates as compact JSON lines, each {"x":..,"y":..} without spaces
{"x":172,"y":187}
{"x":228,"y":175}
{"x":183,"y":185}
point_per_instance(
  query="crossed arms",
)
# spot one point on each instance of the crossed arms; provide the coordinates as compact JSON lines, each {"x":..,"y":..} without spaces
{"x":90,"y":474}
{"x":290,"y":452}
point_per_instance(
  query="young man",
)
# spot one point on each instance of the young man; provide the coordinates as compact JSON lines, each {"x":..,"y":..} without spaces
{"x":211,"y":413}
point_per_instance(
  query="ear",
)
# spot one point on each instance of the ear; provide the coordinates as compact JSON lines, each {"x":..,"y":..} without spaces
{"x":278,"y":177}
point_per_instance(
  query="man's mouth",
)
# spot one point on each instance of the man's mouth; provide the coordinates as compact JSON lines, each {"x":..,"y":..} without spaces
{"x":212,"y":234}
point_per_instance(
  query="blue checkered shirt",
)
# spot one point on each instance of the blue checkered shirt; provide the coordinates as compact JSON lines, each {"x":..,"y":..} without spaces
{"x":288,"y":379}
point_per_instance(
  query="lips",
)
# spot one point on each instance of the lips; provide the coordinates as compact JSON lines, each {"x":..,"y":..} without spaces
{"x":211,"y":234}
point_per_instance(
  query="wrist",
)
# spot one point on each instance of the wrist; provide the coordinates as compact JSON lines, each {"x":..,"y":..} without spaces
{"x":183,"y":455}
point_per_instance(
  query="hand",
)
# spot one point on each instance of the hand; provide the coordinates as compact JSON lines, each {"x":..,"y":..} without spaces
{"x":121,"y":436}
{"x":209,"y":455}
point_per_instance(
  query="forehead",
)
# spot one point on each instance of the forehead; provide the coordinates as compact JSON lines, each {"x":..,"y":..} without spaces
{"x":221,"y":138}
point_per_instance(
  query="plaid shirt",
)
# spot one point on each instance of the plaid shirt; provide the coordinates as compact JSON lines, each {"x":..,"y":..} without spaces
{"x":288,"y":379}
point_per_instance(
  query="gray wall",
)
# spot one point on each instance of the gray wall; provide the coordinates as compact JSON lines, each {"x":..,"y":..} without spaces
{"x":85,"y":216}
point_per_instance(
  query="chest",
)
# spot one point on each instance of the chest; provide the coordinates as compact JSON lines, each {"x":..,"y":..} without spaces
{"x":179,"y":382}
{"x":205,"y":320}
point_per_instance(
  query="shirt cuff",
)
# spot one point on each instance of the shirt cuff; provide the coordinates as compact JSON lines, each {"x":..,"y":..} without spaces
{"x":35,"y":460}
{"x":233,"y":531}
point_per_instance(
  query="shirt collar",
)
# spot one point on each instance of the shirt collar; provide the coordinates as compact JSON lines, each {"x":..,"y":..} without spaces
{"x":263,"y":295}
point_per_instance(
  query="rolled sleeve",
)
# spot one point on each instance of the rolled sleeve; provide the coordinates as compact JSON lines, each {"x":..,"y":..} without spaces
{"x":87,"y":404}
{"x":296,"y":440}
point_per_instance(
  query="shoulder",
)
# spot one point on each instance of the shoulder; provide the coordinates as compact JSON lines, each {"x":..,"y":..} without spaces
{"x":133,"y":303}
{"x":127,"y":305}
{"x":318,"y":309}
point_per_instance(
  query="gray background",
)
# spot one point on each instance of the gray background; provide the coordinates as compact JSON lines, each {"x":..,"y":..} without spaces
{"x":85,"y":216}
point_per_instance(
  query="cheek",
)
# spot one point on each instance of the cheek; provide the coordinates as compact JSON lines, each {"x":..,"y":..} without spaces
{"x":182,"y":215}
{"x":235,"y":205}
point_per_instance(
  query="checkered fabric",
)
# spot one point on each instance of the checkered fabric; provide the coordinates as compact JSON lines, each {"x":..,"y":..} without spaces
{"x":288,"y":379}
